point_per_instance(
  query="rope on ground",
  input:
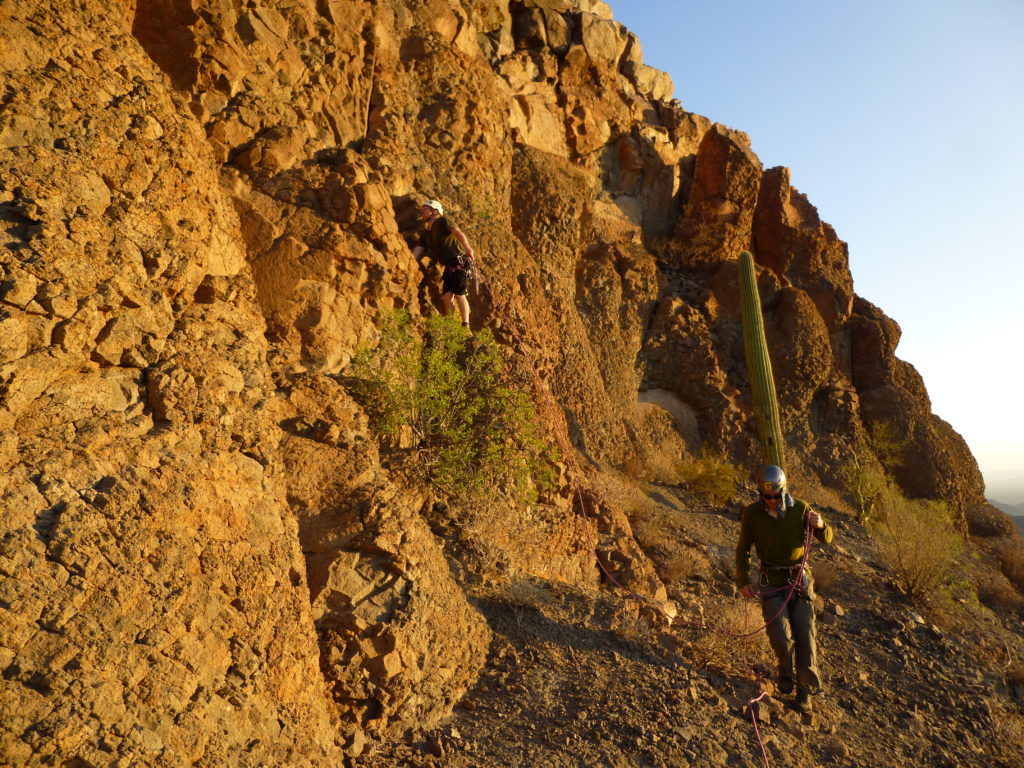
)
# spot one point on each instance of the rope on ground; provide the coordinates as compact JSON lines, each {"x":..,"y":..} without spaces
{"x":789,"y":589}
{"x":757,"y":731}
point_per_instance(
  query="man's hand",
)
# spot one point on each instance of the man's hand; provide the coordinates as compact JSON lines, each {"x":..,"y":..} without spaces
{"x":816,"y":520}
{"x":747,"y":590}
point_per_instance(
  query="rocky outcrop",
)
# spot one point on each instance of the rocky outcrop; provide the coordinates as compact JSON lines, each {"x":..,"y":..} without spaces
{"x":156,"y":602}
{"x":154,"y":606}
{"x":204,"y":559}
{"x":398,"y":641}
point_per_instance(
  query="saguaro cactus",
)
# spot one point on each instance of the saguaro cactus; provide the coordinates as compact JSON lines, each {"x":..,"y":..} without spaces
{"x":759,"y":366}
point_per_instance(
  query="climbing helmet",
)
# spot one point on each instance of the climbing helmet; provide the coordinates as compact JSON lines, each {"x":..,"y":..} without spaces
{"x":771,"y":480}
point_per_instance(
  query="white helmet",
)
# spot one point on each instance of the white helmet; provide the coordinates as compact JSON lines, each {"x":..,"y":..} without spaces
{"x":435,"y":205}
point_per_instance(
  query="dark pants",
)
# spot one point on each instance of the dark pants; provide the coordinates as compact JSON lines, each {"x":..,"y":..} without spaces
{"x":455,"y":281}
{"x":791,"y":632}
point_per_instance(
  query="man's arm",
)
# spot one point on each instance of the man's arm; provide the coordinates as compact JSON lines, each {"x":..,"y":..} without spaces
{"x":415,"y":239}
{"x":463,"y":241}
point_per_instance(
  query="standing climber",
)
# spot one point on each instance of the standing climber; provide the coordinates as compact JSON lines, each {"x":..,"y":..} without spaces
{"x":776,"y":526}
{"x":449,"y":245}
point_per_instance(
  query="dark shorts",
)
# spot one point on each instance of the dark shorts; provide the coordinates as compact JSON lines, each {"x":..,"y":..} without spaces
{"x":454,"y":281}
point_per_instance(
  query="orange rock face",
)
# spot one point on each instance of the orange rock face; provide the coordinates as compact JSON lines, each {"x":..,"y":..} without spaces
{"x":201,"y":553}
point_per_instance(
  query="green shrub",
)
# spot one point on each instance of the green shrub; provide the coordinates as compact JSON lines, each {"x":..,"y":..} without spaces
{"x":870,"y":488}
{"x":447,"y":403}
{"x":888,"y":444}
{"x":918,"y":540}
{"x":710,"y":477}
{"x":865,"y":471}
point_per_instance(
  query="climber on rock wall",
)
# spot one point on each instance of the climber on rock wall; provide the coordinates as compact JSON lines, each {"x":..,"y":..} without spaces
{"x":446,"y":243}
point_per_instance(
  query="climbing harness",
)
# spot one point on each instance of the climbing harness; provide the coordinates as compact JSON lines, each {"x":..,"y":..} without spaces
{"x":795,"y":576}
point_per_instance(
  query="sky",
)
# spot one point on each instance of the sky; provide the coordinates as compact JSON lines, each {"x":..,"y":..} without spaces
{"x":902,"y":122}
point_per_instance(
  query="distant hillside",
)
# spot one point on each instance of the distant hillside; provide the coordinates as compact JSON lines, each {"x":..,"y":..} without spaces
{"x":1016,"y":510}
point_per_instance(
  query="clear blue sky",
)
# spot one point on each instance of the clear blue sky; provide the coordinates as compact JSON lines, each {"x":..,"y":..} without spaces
{"x":902,"y":121}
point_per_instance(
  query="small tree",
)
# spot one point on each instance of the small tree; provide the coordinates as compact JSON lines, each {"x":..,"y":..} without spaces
{"x":448,"y":404}
{"x":918,"y":540}
{"x":865,"y":471}
{"x":888,"y":444}
{"x":867,"y":482}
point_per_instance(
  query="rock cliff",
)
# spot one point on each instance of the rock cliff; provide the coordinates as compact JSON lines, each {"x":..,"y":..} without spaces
{"x":204,"y":560}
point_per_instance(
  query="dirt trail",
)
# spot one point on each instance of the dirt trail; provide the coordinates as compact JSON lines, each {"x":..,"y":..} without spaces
{"x":580,"y":679}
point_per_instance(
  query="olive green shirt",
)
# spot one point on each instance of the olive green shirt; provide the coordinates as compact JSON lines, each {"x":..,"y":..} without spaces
{"x":778,"y":541}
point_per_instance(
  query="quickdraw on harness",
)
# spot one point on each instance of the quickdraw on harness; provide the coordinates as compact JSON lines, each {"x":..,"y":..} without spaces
{"x":468,"y":265}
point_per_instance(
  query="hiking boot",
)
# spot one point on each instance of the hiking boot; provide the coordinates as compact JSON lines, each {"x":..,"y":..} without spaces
{"x":803,"y":702}
{"x":785,"y":684}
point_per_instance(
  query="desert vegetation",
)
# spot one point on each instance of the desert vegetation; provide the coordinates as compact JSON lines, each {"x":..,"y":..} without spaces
{"x":872,"y":457}
{"x":710,"y":477}
{"x":923,"y":549}
{"x":450,"y":409}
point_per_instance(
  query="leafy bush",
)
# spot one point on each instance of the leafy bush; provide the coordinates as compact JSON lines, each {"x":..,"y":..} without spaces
{"x":870,"y":488}
{"x":919,"y":542}
{"x":447,"y":403}
{"x":710,"y":477}
{"x":864,"y":472}
{"x":888,"y":444}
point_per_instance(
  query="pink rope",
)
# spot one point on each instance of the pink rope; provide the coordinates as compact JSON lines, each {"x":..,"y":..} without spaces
{"x":789,"y":589}
{"x":757,"y":732}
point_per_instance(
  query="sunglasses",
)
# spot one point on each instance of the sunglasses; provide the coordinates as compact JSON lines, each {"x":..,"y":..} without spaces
{"x":771,"y":495}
